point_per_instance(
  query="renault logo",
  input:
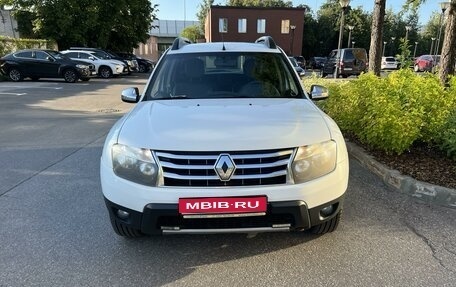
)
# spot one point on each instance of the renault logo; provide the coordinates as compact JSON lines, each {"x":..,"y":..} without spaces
{"x":224,"y":167}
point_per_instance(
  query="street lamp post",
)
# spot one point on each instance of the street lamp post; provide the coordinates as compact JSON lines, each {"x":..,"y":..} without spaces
{"x":392,"y":45}
{"x":432,"y":45}
{"x":353,"y":44}
{"x":292,"y":27}
{"x":414,"y":51}
{"x":407,"y":29}
{"x":343,"y":5}
{"x":350,"y":29}
{"x":384,"y":46}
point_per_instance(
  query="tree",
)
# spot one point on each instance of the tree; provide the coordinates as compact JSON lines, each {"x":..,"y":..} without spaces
{"x":375,"y":51}
{"x":448,"y":54}
{"x":192,"y":33}
{"x":86,"y":22}
{"x":203,"y":8}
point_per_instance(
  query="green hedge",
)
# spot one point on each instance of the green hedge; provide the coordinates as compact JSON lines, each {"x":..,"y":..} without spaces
{"x":8,"y":45}
{"x":394,"y":112}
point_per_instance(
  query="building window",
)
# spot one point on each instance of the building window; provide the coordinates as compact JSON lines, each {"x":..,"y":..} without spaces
{"x":223,"y":25}
{"x":261,"y":26}
{"x":285,"y":27}
{"x":242,"y":25}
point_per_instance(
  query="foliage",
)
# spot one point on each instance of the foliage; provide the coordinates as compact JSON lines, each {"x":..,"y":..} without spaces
{"x":404,"y":56}
{"x":447,"y":138}
{"x":394,"y":112}
{"x":192,"y":33}
{"x":201,"y":14}
{"x":8,"y":45}
{"x":117,"y":24}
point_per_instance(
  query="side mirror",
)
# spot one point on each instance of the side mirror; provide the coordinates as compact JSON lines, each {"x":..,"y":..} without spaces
{"x":91,"y":58}
{"x":50,"y":59}
{"x":318,"y":92}
{"x":130,"y":95}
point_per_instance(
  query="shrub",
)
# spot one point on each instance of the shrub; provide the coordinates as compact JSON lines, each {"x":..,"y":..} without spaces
{"x":394,"y":112}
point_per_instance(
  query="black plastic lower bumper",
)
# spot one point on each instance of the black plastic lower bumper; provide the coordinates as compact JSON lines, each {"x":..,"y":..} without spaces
{"x":156,"y":217}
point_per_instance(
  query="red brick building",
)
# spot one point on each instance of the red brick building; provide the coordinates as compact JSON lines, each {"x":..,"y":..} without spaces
{"x":246,"y":24}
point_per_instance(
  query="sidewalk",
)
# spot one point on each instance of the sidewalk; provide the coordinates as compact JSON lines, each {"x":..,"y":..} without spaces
{"x":424,"y":191}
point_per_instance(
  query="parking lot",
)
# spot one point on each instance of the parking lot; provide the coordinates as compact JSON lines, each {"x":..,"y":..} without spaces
{"x":55,"y":231}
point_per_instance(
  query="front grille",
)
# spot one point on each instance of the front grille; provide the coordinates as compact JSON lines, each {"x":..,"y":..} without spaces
{"x":196,"y":169}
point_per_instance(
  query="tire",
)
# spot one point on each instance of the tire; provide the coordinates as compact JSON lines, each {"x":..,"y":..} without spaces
{"x":327,"y":226}
{"x":105,"y":72}
{"x":85,"y":79}
{"x":70,"y":76}
{"x":15,"y":75}
{"x":124,"y":230}
{"x":344,"y":76}
{"x":142,"y":69}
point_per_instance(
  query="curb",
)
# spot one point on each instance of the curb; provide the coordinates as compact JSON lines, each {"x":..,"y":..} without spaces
{"x":423,"y":191}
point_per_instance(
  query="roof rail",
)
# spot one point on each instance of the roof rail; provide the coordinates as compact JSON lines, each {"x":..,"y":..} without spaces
{"x":180,"y":42}
{"x":267,"y":41}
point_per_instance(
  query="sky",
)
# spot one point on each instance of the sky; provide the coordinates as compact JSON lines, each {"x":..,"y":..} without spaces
{"x":174,"y":9}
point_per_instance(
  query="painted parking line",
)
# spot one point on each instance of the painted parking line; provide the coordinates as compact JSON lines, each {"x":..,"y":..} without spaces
{"x":31,"y":87}
{"x":14,"y":94}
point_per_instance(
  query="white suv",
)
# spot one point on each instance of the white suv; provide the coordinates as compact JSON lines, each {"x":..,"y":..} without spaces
{"x":106,"y":68}
{"x":224,"y":139}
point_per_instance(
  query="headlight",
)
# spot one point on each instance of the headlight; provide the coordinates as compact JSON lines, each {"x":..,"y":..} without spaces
{"x":313,"y":161}
{"x":134,"y":164}
{"x":80,"y":66}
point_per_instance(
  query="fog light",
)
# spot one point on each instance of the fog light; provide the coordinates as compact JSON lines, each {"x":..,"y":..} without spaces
{"x":122,"y":214}
{"x":327,"y":211}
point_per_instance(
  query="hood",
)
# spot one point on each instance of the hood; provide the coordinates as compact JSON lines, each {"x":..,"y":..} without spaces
{"x":223,"y":124}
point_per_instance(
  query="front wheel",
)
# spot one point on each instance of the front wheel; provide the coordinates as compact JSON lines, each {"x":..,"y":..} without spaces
{"x":105,"y":72}
{"x":142,"y":69}
{"x":327,"y":226}
{"x":15,"y":75}
{"x":70,"y":76}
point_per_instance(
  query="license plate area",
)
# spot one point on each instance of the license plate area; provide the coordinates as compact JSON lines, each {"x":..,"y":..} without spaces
{"x":215,"y":207}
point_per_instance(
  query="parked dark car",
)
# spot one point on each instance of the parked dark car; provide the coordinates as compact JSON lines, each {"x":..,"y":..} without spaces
{"x":37,"y":64}
{"x":352,"y":61}
{"x":317,"y":62}
{"x":144,"y":65}
{"x":130,"y":66}
{"x":301,"y":61}
{"x":300,"y":70}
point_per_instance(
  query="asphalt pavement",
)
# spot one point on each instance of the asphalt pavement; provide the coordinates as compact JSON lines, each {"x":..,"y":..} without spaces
{"x":55,"y":231}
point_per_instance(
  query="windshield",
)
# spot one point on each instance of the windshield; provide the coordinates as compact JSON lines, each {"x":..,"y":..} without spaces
{"x":223,"y":75}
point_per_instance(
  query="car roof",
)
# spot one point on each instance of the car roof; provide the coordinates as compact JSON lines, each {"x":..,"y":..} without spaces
{"x":224,"y":47}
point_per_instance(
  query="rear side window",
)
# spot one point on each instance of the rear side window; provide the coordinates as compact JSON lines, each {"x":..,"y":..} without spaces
{"x":72,"y":54}
{"x":26,"y":54}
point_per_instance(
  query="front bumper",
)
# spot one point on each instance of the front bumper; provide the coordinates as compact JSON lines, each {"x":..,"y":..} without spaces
{"x":85,"y":73}
{"x":159,"y":219}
